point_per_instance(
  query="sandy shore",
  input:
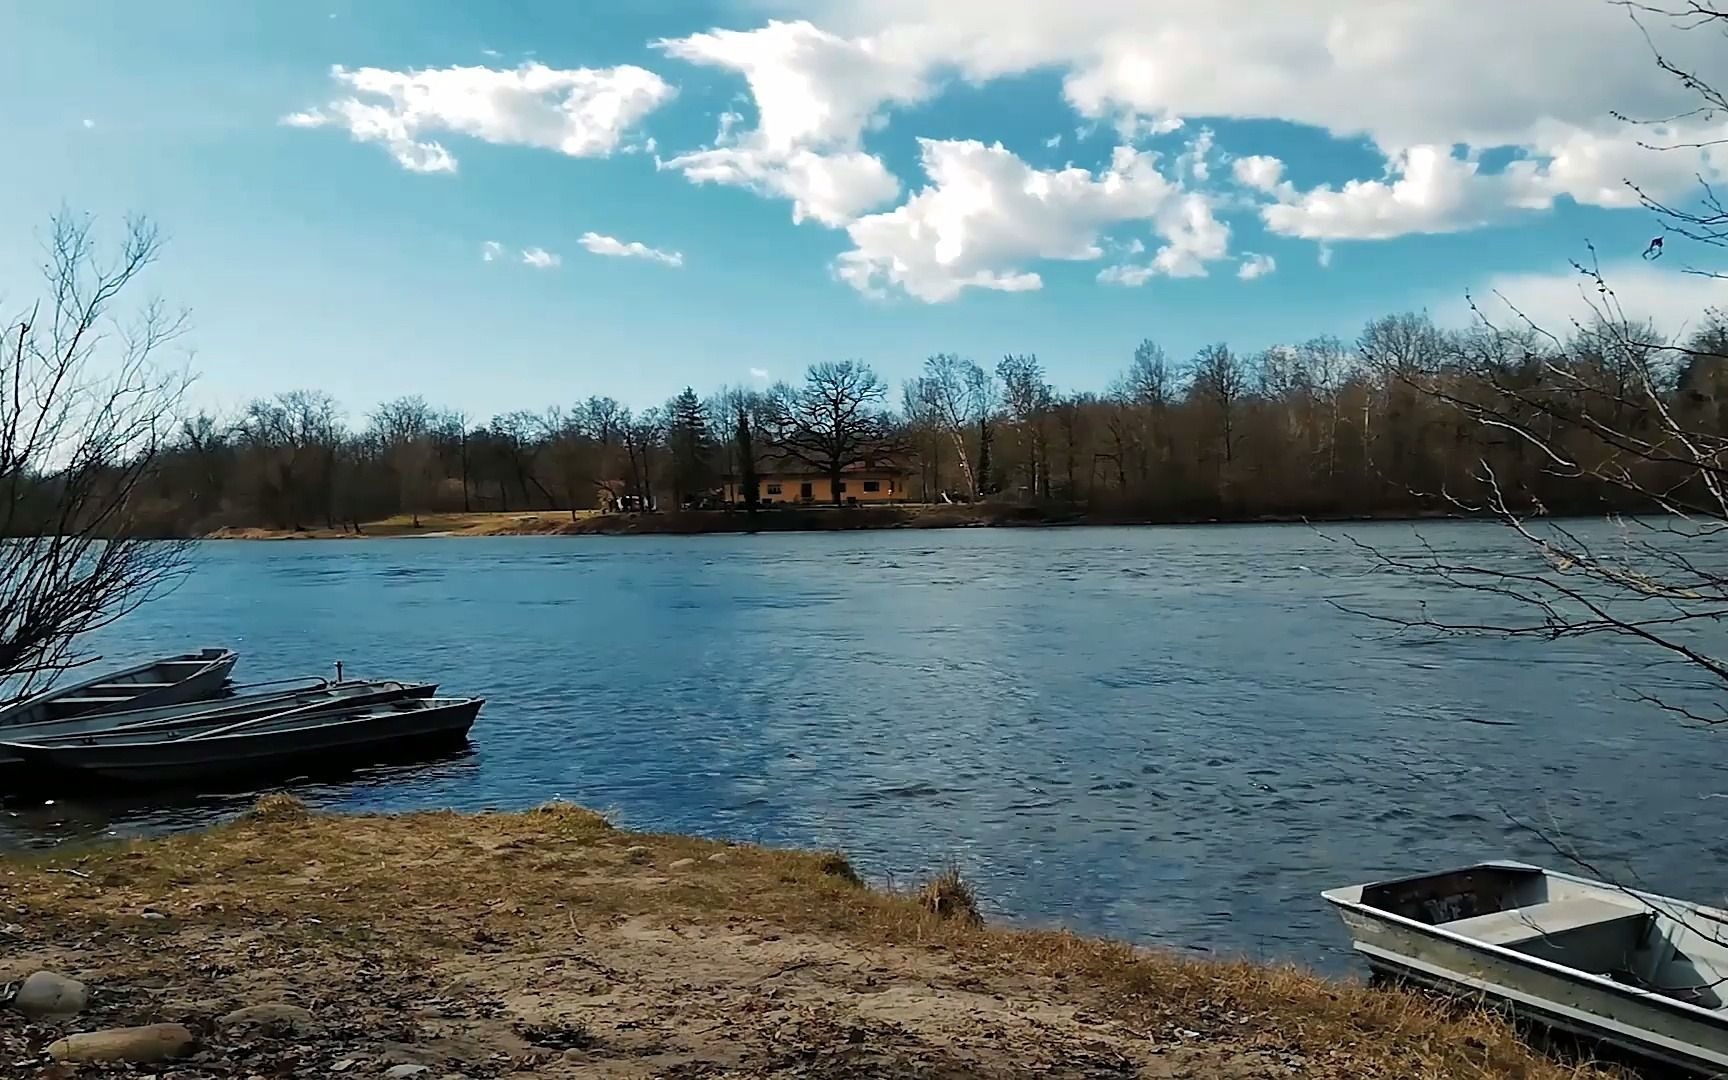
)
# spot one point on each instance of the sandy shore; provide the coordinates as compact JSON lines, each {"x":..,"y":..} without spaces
{"x":549,"y":944}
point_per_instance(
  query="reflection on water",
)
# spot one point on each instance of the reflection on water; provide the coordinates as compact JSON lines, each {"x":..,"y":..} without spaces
{"x":1169,"y":735}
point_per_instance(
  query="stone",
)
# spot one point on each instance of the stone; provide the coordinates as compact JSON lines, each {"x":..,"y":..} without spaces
{"x":719,"y":856}
{"x":400,"y":1072}
{"x":270,"y":1016}
{"x":135,"y":1045}
{"x":45,"y":996}
{"x":679,"y":864}
{"x":637,"y":854}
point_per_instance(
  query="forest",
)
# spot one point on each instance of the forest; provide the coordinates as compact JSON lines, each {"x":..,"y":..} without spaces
{"x":1408,"y":418}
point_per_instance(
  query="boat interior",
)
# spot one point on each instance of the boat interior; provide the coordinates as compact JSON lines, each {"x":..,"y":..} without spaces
{"x":1675,"y":949}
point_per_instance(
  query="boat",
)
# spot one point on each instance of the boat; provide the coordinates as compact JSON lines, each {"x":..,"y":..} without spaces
{"x":1639,"y":971}
{"x":167,"y":720}
{"x":171,"y":680}
{"x":260,"y":744}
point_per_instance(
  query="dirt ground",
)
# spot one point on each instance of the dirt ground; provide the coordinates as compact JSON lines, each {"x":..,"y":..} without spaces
{"x":549,"y":944}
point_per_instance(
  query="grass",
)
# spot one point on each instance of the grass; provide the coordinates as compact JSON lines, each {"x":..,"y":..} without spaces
{"x":432,"y":885}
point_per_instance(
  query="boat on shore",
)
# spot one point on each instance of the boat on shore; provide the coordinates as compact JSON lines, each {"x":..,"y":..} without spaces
{"x":260,"y":744}
{"x":168,"y":721}
{"x":171,"y":680}
{"x":1642,"y":972}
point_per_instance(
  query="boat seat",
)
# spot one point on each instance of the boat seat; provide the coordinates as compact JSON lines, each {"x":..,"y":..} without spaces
{"x":93,"y":699}
{"x":1519,"y":925}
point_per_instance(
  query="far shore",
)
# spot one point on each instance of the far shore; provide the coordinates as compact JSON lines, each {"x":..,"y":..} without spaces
{"x":552,"y":944}
{"x":792,"y":519}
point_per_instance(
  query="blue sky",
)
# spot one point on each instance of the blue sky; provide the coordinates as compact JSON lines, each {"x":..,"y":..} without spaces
{"x":1415,"y":158}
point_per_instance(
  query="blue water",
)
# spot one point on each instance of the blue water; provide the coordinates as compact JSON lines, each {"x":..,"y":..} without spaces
{"x":1169,"y":735}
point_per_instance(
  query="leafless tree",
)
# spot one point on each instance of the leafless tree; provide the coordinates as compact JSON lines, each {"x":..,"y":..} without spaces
{"x":85,"y":408}
{"x":835,"y":420}
{"x":1613,"y":409}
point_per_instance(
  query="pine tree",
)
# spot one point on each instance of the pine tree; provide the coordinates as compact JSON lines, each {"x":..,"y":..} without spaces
{"x":687,"y":438}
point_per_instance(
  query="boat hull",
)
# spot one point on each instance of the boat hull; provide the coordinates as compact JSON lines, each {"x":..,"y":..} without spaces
{"x":168,"y":763}
{"x":1646,"y":1024}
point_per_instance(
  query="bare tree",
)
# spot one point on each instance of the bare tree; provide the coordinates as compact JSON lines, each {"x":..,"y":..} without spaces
{"x":835,"y":420}
{"x":85,"y":411}
{"x":961,"y":397}
{"x":1615,"y":410}
{"x":403,"y":428}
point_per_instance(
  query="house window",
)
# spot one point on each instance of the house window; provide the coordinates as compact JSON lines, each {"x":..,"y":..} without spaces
{"x":805,"y":491}
{"x":773,"y":489}
{"x":872,"y":485}
{"x":840,"y":487}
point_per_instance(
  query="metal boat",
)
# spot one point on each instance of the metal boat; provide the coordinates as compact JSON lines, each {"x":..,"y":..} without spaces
{"x":168,"y":681}
{"x":167,"y":721}
{"x":261,"y":744}
{"x":1643,"y":972}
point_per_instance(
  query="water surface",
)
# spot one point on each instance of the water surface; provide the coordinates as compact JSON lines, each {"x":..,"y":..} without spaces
{"x":1169,"y":735}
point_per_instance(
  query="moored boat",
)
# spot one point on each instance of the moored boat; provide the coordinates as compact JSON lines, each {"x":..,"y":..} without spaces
{"x":1640,"y":971}
{"x":170,"y":680}
{"x":260,"y":744}
{"x":169,"y":721}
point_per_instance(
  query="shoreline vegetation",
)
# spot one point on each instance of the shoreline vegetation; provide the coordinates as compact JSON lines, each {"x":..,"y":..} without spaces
{"x":813,"y":519}
{"x":550,"y":943}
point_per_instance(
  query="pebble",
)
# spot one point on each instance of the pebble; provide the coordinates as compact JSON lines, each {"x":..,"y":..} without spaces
{"x":45,"y":995}
{"x":679,"y":864}
{"x":718,"y":856}
{"x":637,"y":853}
{"x":272,"y":1016}
{"x":398,"y":1072}
{"x":136,"y":1045}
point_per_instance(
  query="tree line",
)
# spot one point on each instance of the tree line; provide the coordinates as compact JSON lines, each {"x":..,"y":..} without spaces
{"x":1381,"y":425}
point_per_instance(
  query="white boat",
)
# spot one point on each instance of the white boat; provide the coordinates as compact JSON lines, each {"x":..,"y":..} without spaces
{"x":1643,"y":972}
{"x":166,"y":721}
{"x":262,"y":744}
{"x":169,"y":681}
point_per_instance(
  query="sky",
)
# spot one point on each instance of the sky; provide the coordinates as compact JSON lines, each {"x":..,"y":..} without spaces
{"x":513,"y":206}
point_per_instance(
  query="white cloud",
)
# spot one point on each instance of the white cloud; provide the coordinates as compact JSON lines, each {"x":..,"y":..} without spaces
{"x":1192,"y":161}
{"x":581,"y":112}
{"x":1415,"y":79}
{"x":815,"y":94}
{"x":88,"y":123}
{"x":1324,"y":258}
{"x":760,"y":374}
{"x":540,"y":258}
{"x":1673,"y":299}
{"x":985,"y":213}
{"x":490,"y":251}
{"x":607,"y":245}
{"x":1255,"y":265}
{"x":1054,"y":142}
{"x":1261,"y":172}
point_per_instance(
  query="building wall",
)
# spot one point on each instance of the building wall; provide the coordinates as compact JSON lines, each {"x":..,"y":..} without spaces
{"x":792,"y":489}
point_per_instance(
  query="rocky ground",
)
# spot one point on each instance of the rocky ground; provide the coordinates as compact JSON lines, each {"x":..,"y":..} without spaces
{"x":549,"y":944}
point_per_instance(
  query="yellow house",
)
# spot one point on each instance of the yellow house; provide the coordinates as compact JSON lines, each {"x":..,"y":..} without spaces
{"x":858,"y":484}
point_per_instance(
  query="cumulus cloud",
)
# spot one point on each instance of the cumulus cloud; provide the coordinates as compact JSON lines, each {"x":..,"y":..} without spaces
{"x":985,"y":214}
{"x":815,"y":94}
{"x":581,"y":112}
{"x":1414,"y":79}
{"x":1255,"y":265}
{"x":599,"y":244}
{"x":540,"y":258}
{"x":491,"y":251}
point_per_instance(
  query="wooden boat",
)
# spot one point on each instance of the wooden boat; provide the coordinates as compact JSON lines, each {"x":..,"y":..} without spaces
{"x":168,"y":681}
{"x":261,"y":744}
{"x":167,"y":721}
{"x":1642,"y":972}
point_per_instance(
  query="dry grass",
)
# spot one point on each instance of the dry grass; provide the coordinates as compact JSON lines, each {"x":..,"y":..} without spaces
{"x":474,"y":897}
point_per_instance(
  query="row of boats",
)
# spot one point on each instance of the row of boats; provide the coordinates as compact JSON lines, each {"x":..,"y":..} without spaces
{"x":179,"y":719}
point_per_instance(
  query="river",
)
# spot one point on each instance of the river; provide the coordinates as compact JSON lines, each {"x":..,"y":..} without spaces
{"x":1171,"y":735}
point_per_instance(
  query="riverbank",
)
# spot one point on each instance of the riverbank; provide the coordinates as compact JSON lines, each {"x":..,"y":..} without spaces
{"x":550,"y":944}
{"x":790,"y":519}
